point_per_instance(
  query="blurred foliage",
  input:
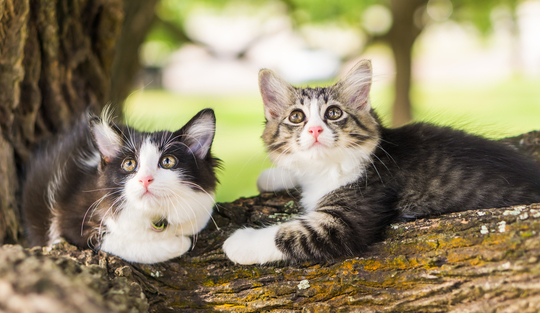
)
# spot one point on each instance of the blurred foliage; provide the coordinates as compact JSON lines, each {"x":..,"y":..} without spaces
{"x":480,"y":12}
{"x":349,"y":12}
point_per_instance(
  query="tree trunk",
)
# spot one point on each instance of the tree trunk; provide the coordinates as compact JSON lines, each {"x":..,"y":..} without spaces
{"x":139,"y":17}
{"x":472,"y":261}
{"x":56,"y":60}
{"x":401,"y":37}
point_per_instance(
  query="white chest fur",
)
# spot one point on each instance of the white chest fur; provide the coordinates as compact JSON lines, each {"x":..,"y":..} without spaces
{"x":316,"y":176}
{"x":320,"y":180}
{"x":130,"y":235}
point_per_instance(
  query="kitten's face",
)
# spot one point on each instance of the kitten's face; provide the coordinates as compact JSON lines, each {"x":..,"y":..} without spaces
{"x":320,"y":124}
{"x":163,"y":173}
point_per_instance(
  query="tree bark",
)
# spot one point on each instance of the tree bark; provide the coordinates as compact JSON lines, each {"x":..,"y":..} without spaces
{"x":401,"y":37}
{"x":56,"y":60}
{"x":471,"y":261}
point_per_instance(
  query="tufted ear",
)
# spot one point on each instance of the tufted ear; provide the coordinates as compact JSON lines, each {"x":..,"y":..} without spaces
{"x":355,"y":86}
{"x":276,"y":93}
{"x":107,"y":136}
{"x":199,"y":133}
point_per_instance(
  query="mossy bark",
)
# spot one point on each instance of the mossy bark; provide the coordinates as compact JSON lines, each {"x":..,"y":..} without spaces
{"x":472,"y":261}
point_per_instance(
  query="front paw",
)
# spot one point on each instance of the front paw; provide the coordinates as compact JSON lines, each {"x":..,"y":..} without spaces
{"x":253,"y":246}
{"x":153,"y":251}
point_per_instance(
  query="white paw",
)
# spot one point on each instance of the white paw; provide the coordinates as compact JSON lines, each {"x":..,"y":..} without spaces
{"x":253,"y":246}
{"x":175,"y":247}
{"x":153,"y":251}
{"x":275,"y":179}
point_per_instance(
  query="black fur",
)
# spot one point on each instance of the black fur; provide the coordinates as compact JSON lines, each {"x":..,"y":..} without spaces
{"x":80,"y":187}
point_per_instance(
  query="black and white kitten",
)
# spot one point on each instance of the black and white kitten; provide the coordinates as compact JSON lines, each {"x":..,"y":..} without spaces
{"x":357,"y":176}
{"x":133,"y":194}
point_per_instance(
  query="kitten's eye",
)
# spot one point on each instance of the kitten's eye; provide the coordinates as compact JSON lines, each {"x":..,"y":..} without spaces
{"x":297,"y":116}
{"x":129,"y":165}
{"x":167,"y":162}
{"x":333,"y":113}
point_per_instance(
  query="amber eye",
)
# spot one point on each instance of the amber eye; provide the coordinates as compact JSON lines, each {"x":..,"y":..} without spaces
{"x":333,"y":113}
{"x":129,"y":165}
{"x":167,"y":162}
{"x":297,"y":116}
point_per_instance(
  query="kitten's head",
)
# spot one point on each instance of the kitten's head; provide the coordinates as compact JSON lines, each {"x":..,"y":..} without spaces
{"x":165,"y":174}
{"x":329,"y":124}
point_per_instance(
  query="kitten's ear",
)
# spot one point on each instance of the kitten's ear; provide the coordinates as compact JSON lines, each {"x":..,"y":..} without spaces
{"x":276,"y":93}
{"x":107,"y":136}
{"x":199,"y":132}
{"x":355,"y":86}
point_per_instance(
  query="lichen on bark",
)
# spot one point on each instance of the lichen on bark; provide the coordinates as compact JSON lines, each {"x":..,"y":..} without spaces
{"x":471,"y":261}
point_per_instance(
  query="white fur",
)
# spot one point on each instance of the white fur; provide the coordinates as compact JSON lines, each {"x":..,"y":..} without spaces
{"x":106,"y":138}
{"x":321,"y":167}
{"x":276,"y":179}
{"x":52,"y":189}
{"x":253,"y":246}
{"x":54,"y":231}
{"x":129,"y":234}
{"x":89,"y":161}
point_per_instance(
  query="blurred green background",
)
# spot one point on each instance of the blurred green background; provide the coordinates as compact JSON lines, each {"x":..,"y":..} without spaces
{"x":505,"y":109}
{"x":475,"y":66}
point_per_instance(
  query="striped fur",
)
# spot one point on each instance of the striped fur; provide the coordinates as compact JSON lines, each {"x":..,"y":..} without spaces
{"x":357,"y":176}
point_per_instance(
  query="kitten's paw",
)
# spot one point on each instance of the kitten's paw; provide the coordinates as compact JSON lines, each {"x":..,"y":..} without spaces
{"x":275,"y":179}
{"x":179,"y":246}
{"x":253,"y":246}
{"x":147,"y":252}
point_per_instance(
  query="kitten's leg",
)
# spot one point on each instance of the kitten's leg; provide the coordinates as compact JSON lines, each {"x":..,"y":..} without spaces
{"x":313,"y":236}
{"x":343,"y":229}
{"x":150,"y":251}
{"x":276,"y":179}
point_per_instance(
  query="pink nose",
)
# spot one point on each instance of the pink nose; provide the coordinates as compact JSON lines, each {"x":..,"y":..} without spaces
{"x":145,"y":181}
{"x":315,"y":131}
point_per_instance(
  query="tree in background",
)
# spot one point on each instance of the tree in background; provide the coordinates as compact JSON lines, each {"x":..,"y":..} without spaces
{"x":397,"y":23}
{"x":57,"y":59}
{"x":408,"y":19}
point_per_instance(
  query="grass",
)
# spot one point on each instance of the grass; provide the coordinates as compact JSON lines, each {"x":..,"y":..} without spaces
{"x":506,"y":109}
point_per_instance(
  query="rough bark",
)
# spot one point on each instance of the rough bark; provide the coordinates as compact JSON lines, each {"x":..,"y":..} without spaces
{"x":401,"y":37}
{"x":56,"y":60}
{"x":52,"y":281}
{"x":472,"y":261}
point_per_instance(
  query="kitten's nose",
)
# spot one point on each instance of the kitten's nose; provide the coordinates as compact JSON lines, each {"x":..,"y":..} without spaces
{"x":145,"y":181}
{"x":315,"y":131}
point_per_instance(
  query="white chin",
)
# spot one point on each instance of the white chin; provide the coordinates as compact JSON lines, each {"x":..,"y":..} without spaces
{"x":318,"y":147}
{"x":149,"y":197}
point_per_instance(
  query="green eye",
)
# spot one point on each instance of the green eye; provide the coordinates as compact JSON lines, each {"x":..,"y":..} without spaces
{"x":333,"y":113}
{"x":160,"y":225}
{"x":297,"y":116}
{"x":129,"y":165}
{"x":167,"y":162}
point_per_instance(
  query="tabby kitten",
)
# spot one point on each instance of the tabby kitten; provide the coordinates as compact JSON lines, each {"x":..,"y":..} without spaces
{"x":357,"y":176}
{"x":133,"y":194}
